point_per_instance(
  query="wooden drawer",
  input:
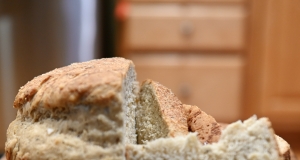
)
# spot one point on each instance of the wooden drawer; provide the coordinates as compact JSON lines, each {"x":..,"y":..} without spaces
{"x":210,"y":82}
{"x":189,"y":27}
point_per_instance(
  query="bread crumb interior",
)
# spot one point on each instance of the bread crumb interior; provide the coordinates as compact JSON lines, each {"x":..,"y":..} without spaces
{"x":150,"y":124}
{"x":129,"y":105}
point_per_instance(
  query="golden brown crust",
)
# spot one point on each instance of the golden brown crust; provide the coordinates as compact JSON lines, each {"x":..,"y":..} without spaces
{"x":171,"y":109}
{"x":208,"y":129}
{"x":71,"y":85}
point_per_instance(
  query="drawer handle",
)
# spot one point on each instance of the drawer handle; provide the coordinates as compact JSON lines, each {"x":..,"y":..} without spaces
{"x":186,"y":28}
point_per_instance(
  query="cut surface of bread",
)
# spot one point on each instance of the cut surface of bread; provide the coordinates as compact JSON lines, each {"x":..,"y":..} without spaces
{"x":207,"y":128}
{"x":251,"y":140}
{"x":81,"y":111}
{"x":159,"y":113}
{"x":284,"y":147}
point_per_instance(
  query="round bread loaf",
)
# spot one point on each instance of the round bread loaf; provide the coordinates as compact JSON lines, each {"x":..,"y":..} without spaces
{"x":76,"y":112}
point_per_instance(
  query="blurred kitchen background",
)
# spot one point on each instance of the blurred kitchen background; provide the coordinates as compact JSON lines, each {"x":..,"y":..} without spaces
{"x":231,"y":58}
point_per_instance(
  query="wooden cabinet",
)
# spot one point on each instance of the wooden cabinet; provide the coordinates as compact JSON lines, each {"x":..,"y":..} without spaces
{"x":273,"y":74}
{"x":195,"y":48}
{"x":231,"y":58}
{"x":213,"y":83}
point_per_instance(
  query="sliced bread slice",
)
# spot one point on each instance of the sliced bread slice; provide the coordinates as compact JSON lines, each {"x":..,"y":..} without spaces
{"x":159,"y":113}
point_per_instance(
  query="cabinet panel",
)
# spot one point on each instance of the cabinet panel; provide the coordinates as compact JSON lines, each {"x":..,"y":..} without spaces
{"x":282,"y":94}
{"x":213,"y":83}
{"x":273,"y":88}
{"x":185,"y":27}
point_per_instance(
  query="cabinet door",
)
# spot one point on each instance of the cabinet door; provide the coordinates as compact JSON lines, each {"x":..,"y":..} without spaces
{"x":276,"y":82}
{"x":213,"y":83}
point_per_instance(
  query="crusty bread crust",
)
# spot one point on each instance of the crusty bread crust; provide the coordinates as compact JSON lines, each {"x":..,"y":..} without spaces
{"x":70,"y":85}
{"x":207,"y":128}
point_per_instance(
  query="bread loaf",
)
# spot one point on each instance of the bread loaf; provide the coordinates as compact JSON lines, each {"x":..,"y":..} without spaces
{"x":81,"y":111}
{"x":92,"y":110}
{"x":207,"y":128}
{"x":251,"y":140}
{"x":159,"y":113}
